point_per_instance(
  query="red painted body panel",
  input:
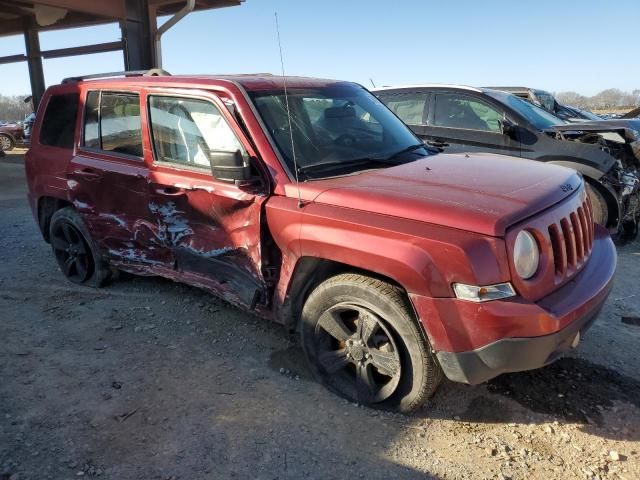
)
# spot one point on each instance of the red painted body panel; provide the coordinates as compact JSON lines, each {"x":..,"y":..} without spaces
{"x":456,"y":326}
{"x":480,"y":193}
{"x":424,"y":225}
{"x":423,"y":258}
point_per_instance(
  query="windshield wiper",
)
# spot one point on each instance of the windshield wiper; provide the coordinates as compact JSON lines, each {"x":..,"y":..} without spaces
{"x":411,"y":148}
{"x":370,"y":161}
{"x":356,"y":162}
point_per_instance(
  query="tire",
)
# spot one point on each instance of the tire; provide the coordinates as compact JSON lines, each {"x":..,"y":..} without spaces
{"x":6,"y":143}
{"x":78,"y":257}
{"x":598,"y":205}
{"x":362,"y":341}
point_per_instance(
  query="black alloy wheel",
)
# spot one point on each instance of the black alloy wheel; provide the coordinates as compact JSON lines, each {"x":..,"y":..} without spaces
{"x":358,"y":352}
{"x":72,"y":252}
{"x":362,"y":340}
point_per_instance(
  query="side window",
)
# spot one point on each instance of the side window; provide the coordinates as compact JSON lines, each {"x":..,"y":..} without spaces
{"x":120,"y":128}
{"x":185,"y":131}
{"x":112,"y":123}
{"x":408,"y":106}
{"x":59,"y":123}
{"x":461,"y":111}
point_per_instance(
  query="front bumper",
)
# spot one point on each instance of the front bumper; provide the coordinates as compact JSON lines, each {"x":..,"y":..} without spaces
{"x":476,"y":342}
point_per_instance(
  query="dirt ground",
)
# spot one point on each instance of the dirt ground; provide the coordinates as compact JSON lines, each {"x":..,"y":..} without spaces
{"x":149,"y":379}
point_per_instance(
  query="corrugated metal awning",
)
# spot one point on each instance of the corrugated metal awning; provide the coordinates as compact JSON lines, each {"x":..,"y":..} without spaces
{"x":18,"y":15}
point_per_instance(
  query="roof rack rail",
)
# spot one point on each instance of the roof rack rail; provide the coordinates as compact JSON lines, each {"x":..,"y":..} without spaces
{"x":154,"y":72}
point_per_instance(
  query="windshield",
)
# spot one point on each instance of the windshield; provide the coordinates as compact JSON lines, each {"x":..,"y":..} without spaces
{"x":546,"y":100}
{"x":589,"y":115}
{"x":538,"y":117}
{"x":336,"y":129}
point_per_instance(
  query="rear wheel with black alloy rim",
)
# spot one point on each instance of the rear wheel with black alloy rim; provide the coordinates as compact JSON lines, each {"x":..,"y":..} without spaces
{"x":362,"y":341}
{"x":74,"y":250}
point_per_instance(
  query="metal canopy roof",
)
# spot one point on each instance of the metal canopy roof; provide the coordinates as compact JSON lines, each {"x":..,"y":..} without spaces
{"x":18,"y":15}
{"x":141,"y":35}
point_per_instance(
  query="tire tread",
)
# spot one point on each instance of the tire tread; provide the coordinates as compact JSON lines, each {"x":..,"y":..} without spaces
{"x":432,"y":374}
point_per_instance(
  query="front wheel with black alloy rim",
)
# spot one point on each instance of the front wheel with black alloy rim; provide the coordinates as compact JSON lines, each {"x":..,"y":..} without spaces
{"x":78,"y":257}
{"x":6,"y":143}
{"x":363,"y":342}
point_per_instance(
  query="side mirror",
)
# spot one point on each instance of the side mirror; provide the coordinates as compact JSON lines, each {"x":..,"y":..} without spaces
{"x":507,"y":127}
{"x":230,"y":166}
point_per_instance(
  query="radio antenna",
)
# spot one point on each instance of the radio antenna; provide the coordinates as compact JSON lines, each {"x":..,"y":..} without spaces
{"x":286,"y":101}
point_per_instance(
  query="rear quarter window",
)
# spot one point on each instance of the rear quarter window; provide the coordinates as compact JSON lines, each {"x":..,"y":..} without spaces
{"x":59,"y":122}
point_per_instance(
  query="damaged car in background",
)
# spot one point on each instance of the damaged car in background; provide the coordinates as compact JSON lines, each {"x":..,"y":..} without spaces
{"x":621,"y":140}
{"x":546,"y":100}
{"x":457,"y":118}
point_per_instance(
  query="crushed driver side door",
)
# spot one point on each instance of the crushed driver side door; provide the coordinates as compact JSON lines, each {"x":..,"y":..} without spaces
{"x":211,"y":227}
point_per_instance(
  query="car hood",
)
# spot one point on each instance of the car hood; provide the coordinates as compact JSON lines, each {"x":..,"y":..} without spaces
{"x":601,"y":126}
{"x":483,"y":193}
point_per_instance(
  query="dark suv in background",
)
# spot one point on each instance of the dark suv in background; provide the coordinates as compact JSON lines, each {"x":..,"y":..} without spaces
{"x":458,"y":119}
{"x":546,"y":100}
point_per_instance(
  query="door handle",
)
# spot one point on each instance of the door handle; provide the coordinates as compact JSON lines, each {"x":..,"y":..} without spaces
{"x":170,"y":191}
{"x":87,"y":173}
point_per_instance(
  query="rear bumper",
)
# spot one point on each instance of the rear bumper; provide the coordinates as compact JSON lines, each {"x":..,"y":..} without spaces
{"x":521,"y":335}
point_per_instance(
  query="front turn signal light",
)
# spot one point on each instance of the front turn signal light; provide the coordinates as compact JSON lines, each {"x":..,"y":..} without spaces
{"x":474,"y":293}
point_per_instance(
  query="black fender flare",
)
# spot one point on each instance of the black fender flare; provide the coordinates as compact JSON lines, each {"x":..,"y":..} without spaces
{"x":585,"y":170}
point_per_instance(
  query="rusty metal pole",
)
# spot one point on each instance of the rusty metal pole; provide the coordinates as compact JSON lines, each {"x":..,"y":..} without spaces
{"x":180,"y":14}
{"x":137,"y":36}
{"x":34,"y":62}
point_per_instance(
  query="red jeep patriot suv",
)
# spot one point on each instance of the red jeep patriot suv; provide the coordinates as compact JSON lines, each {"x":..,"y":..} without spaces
{"x":310,"y":203}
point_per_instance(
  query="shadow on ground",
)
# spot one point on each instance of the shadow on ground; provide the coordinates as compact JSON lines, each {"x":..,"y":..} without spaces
{"x":571,"y":390}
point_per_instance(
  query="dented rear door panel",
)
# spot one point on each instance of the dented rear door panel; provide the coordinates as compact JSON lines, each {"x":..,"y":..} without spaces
{"x":111,"y":196}
{"x":110,"y":192}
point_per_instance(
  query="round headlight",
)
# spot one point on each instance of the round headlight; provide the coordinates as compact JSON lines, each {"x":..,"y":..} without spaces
{"x":526,"y":255}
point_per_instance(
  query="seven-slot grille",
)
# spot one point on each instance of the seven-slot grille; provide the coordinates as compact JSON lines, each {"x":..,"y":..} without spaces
{"x":572,"y":239}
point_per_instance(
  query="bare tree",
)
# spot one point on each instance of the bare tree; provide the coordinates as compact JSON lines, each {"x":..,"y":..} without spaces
{"x":13,"y":108}
{"x":610,"y":98}
{"x":572,"y":98}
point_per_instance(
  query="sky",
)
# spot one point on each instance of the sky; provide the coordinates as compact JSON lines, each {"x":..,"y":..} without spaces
{"x":584,"y":46}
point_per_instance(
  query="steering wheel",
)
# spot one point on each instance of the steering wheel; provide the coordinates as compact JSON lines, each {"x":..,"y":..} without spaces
{"x":346,"y":140}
